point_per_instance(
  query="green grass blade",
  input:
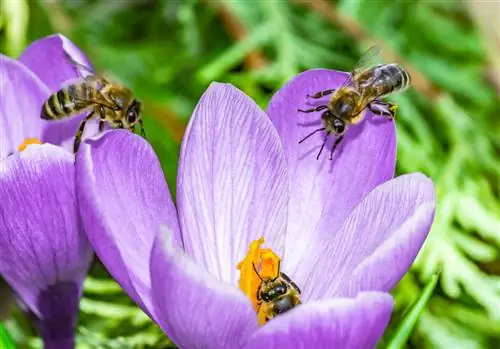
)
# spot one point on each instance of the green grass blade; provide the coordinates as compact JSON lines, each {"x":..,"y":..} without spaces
{"x":405,"y":328}
{"x":6,"y":341}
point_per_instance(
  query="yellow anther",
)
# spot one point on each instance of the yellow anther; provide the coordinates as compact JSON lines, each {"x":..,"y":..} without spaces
{"x":27,"y":142}
{"x":265,"y":261}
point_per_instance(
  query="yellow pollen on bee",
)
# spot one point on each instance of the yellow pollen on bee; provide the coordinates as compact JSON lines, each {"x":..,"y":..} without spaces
{"x":265,"y":261}
{"x":27,"y":142}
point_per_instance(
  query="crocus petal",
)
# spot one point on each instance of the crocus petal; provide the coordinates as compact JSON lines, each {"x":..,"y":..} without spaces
{"x":378,"y":242}
{"x":44,"y":253}
{"x":324,"y":192}
{"x":124,"y":198}
{"x":331,"y":324}
{"x":195,"y":309}
{"x":59,"y":305}
{"x":50,"y":59}
{"x":22,"y":97}
{"x":232,"y":183}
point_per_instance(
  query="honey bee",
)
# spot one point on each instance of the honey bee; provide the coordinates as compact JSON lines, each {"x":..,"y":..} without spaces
{"x":276,"y":296}
{"x":109,"y":101}
{"x":362,"y":89}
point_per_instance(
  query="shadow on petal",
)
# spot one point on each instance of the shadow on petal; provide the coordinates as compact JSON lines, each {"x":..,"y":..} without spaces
{"x":353,"y":323}
{"x":194,"y":308}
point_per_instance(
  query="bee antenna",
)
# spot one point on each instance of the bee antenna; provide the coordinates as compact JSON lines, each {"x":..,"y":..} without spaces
{"x":256,"y":272}
{"x":310,"y":134}
{"x":322,"y":146}
{"x":278,"y":274}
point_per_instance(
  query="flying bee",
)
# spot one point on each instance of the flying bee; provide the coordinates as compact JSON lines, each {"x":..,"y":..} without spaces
{"x":111,"y":102}
{"x":276,"y":296}
{"x":362,"y":89}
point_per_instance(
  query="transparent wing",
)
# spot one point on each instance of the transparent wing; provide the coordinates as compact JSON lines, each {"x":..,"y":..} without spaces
{"x":370,"y":58}
{"x":80,"y":67}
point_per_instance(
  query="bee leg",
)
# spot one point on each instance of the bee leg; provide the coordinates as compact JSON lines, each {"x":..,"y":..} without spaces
{"x":385,"y":109}
{"x":321,"y":107}
{"x":310,"y":134}
{"x":102,"y":118}
{"x":143,"y":132}
{"x":337,"y":141}
{"x":101,"y":126}
{"x":322,"y":93}
{"x":322,"y":146}
{"x":79,"y":132}
{"x":392,"y":109}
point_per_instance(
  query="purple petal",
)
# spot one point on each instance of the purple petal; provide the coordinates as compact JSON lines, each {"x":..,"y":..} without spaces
{"x":324,"y":192}
{"x":232,"y":183}
{"x":50,"y":59}
{"x":59,"y":306}
{"x":194,"y":308}
{"x":22,"y":97}
{"x":334,"y":323}
{"x":124,"y":198}
{"x":377,"y":243}
{"x":42,"y":244}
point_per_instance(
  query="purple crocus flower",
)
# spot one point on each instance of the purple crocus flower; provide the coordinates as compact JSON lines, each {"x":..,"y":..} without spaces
{"x":43,"y":67}
{"x":345,"y":231}
{"x":44,"y":253}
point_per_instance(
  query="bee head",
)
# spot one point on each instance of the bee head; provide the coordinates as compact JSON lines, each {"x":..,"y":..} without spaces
{"x":272,"y":288}
{"x":338,"y":126}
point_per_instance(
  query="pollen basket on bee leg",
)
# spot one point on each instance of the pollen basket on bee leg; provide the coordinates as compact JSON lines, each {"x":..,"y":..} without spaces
{"x":258,"y":260}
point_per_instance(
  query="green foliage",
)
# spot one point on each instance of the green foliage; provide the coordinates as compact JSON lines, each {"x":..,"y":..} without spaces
{"x":404,"y":330}
{"x":6,"y":341}
{"x":169,"y":52}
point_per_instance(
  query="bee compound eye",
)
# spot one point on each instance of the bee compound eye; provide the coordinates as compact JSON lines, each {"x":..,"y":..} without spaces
{"x":281,"y":289}
{"x":339,"y":126}
{"x":265,"y":297}
{"x":131,"y":116}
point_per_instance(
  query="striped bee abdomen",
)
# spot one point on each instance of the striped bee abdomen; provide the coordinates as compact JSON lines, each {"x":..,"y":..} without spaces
{"x":390,"y":78}
{"x":63,"y":103}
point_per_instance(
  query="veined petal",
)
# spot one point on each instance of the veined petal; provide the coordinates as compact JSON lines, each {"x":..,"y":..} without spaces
{"x":341,"y":323}
{"x":324,"y":192}
{"x":42,"y":243}
{"x":124,"y":199}
{"x":377,"y":243}
{"x":195,"y":309}
{"x":232,"y":182}
{"x":50,"y":58}
{"x":22,"y":97}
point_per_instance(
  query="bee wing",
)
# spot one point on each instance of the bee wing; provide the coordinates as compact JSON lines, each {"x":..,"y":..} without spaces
{"x":80,"y":67}
{"x":370,"y":58}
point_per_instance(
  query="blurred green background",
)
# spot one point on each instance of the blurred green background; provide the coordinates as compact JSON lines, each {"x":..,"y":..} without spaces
{"x":448,"y":124}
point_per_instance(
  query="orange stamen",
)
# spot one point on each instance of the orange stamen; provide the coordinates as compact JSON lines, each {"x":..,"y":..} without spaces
{"x":266,"y":262}
{"x":27,"y":142}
